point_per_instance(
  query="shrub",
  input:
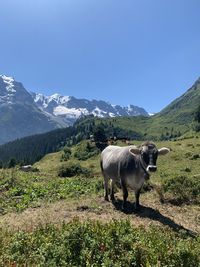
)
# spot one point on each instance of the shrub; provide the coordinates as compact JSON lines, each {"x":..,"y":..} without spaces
{"x":34,"y":169}
{"x":66,"y":154}
{"x":188,"y":154}
{"x":187,"y":169}
{"x":116,"y":243}
{"x":71,"y":170}
{"x":195,"y":156}
{"x":85,"y":151}
{"x":183,"y":189}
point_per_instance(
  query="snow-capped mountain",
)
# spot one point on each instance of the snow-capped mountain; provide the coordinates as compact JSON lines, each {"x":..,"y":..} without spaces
{"x":23,"y":113}
{"x":12,"y":92}
{"x":19,"y":115}
{"x":70,"y":108}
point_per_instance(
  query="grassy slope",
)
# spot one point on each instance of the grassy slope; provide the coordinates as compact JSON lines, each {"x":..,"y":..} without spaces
{"x":16,"y":185}
{"x":43,"y":198}
{"x":150,"y":127}
{"x":177,"y":116}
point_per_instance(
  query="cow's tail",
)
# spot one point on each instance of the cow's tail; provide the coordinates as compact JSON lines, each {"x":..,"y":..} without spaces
{"x":101,"y":165}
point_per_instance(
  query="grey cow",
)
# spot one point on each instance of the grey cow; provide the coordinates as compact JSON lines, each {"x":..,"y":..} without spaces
{"x":129,"y":167}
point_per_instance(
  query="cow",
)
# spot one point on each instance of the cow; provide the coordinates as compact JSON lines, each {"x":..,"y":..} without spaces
{"x":129,"y":167}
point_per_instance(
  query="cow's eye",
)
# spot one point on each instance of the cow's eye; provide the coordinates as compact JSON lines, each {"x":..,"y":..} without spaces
{"x":155,"y":155}
{"x":145,"y":157}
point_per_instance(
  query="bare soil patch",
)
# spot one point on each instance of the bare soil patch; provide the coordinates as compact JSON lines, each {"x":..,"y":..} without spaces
{"x":186,"y":218}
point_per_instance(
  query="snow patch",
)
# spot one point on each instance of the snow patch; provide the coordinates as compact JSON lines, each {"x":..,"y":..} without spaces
{"x":9,"y":83}
{"x":98,"y":112}
{"x":130,"y":109}
{"x":111,"y":114}
{"x":70,"y":112}
{"x":45,"y":100}
{"x":39,"y":97}
{"x":54,"y":97}
{"x":64,"y":99}
{"x":59,"y":99}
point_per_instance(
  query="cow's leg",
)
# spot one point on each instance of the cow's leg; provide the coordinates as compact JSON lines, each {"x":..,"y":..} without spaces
{"x":112,"y":190}
{"x":137,"y":199}
{"x":125,"y":193}
{"x":106,"y":189}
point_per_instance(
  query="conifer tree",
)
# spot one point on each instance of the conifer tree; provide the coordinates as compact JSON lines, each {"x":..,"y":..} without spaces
{"x":100,"y":137}
{"x":11,"y":163}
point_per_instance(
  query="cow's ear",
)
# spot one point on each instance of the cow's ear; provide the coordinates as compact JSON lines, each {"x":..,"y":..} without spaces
{"x":163,"y":151}
{"x":134,"y":150}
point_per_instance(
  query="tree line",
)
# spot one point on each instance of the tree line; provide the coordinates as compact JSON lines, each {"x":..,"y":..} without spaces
{"x":31,"y":149}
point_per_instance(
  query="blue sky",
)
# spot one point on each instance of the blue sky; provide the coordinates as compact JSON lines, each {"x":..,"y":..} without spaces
{"x":141,"y":52}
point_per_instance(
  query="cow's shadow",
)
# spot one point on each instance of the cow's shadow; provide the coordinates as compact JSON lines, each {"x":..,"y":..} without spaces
{"x":155,"y":215}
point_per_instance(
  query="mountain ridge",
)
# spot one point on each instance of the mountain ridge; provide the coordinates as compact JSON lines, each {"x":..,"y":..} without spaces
{"x":71,"y":108}
{"x":19,"y":115}
{"x":24,"y":113}
{"x":185,"y":104}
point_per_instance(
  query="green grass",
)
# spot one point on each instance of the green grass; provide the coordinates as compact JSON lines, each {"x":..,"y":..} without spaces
{"x":22,"y":190}
{"x":117,"y":243}
{"x":156,"y":127}
{"x":89,"y":243}
{"x":177,"y":170}
{"x":174,"y":120}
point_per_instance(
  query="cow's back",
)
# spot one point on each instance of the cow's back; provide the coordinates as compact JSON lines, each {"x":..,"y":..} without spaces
{"x":112,"y":158}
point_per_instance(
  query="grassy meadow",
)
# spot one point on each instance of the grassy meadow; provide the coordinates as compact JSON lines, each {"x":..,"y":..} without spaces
{"x":57,"y":216}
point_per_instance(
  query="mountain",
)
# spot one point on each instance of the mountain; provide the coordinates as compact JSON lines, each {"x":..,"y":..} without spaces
{"x":182,"y":108}
{"x":170,"y":123}
{"x":23,"y":113}
{"x":176,"y":118}
{"x":30,"y":149}
{"x":68,"y":108}
{"x":19,"y":115}
{"x":173,"y":121}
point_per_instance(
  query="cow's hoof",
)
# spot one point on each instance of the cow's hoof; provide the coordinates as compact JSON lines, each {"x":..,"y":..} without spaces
{"x":106,"y":198}
{"x":112,"y":198}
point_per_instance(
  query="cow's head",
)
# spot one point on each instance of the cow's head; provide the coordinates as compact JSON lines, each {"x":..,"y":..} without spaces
{"x":149,"y":154}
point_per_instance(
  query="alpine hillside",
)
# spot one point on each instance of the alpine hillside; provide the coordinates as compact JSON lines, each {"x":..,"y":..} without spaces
{"x":178,"y":116}
{"x":182,"y":108}
{"x":172,"y":122}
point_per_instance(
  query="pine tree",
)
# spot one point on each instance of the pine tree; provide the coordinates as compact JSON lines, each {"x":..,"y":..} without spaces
{"x":100,"y":137}
{"x":11,"y":163}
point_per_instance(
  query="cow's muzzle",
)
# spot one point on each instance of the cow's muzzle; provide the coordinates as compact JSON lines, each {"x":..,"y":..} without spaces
{"x":151,"y":168}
